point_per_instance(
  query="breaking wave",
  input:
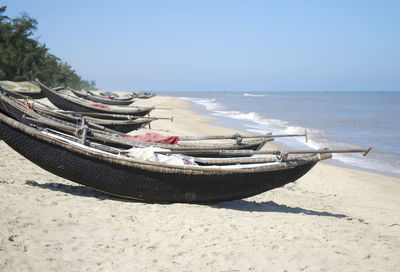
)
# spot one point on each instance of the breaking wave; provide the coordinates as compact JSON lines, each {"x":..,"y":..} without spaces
{"x":256,"y":123}
{"x":254,"y":95}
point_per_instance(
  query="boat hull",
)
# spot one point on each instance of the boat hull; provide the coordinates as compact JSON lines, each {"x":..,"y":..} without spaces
{"x":115,"y":102}
{"x":69,"y":105}
{"x":18,"y":94}
{"x":143,"y":183}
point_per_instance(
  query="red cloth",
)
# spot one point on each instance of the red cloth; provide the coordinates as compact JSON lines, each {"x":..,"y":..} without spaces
{"x":99,"y":106}
{"x":27,"y":105}
{"x":155,"y":138}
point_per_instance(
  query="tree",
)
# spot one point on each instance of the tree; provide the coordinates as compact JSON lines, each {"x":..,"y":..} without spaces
{"x":23,"y":58}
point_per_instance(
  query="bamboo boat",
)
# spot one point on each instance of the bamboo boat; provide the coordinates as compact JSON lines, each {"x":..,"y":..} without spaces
{"x":26,"y":89}
{"x":127,"y":177}
{"x":102,"y":99}
{"x":143,"y":95}
{"x":23,"y":111}
{"x":112,"y":95}
{"x":124,"y":126}
{"x":70,"y":103}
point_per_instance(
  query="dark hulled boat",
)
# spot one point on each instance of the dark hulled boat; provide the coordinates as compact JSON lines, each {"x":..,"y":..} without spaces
{"x":102,"y":99}
{"x":70,"y":103}
{"x":21,"y":110}
{"x":127,"y":177}
{"x":28,"y":89}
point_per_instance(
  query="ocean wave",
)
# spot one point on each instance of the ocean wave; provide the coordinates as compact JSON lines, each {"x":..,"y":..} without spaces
{"x":209,"y":103}
{"x":317,"y":139}
{"x":255,"y":95}
{"x":251,"y":116}
{"x":367,"y":163}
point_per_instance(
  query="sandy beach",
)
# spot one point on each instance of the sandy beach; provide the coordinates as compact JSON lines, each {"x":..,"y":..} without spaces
{"x":332,"y":219}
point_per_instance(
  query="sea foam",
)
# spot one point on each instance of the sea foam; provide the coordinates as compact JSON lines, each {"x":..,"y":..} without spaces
{"x":254,"y":95}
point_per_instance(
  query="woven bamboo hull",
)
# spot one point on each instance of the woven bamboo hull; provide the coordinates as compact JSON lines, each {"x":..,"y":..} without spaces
{"x":33,"y":94}
{"x":69,"y":105}
{"x":115,"y":102}
{"x":127,"y":97}
{"x":133,"y":180}
{"x":17,"y":111}
{"x":118,"y":125}
{"x":126,"y":128}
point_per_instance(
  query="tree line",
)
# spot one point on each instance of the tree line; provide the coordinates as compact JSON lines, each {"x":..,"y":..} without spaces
{"x":23,"y":58}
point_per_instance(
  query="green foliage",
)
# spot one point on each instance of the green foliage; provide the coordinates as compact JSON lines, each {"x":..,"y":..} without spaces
{"x":24,"y":59}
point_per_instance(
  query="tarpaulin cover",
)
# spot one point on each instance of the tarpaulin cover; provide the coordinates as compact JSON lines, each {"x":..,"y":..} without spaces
{"x":99,"y":106}
{"x":155,"y":138}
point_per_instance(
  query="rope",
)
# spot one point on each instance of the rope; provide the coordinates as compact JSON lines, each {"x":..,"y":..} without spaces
{"x":238,"y":138}
{"x":82,"y":131}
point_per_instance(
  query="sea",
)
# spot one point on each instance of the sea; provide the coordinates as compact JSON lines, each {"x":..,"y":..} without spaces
{"x":337,"y":120}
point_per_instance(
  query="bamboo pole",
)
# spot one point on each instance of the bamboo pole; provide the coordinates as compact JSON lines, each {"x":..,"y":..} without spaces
{"x":245,"y":152}
{"x":280,"y":152}
{"x":75,"y":118}
{"x":238,"y":136}
{"x":72,"y":118}
{"x":111,"y":116}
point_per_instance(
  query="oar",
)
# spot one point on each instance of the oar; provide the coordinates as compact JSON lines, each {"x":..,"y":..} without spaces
{"x":111,"y":116}
{"x":238,"y":136}
{"x":245,"y":152}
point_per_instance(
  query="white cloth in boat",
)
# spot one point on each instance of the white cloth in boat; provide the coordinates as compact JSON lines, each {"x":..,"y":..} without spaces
{"x":150,"y":154}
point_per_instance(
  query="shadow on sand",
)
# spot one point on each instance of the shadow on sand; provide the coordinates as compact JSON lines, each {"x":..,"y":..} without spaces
{"x":76,"y":190}
{"x":270,"y":206}
{"x":239,"y":205}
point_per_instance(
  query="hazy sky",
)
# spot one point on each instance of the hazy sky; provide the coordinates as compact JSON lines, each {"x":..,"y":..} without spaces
{"x":223,"y":45}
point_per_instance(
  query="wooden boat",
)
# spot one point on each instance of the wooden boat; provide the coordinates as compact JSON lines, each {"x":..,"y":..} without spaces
{"x":101,"y":99}
{"x":112,"y":95}
{"x":143,"y":95}
{"x":128,"y":177}
{"x":124,"y":126}
{"x":66,"y":102}
{"x":27,"y":89}
{"x":21,"y":111}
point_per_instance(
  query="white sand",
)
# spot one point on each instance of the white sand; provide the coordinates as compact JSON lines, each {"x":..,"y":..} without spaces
{"x":332,"y":219}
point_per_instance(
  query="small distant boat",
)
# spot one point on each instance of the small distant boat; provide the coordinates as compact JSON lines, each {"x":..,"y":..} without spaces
{"x":124,"y":126}
{"x":19,"y":108}
{"x":103,"y":99}
{"x":25,"y":88}
{"x":70,"y":103}
{"x":113,"y":95}
{"x":143,"y":95}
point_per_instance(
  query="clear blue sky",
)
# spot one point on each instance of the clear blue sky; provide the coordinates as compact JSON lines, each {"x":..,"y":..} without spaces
{"x":223,"y":45}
